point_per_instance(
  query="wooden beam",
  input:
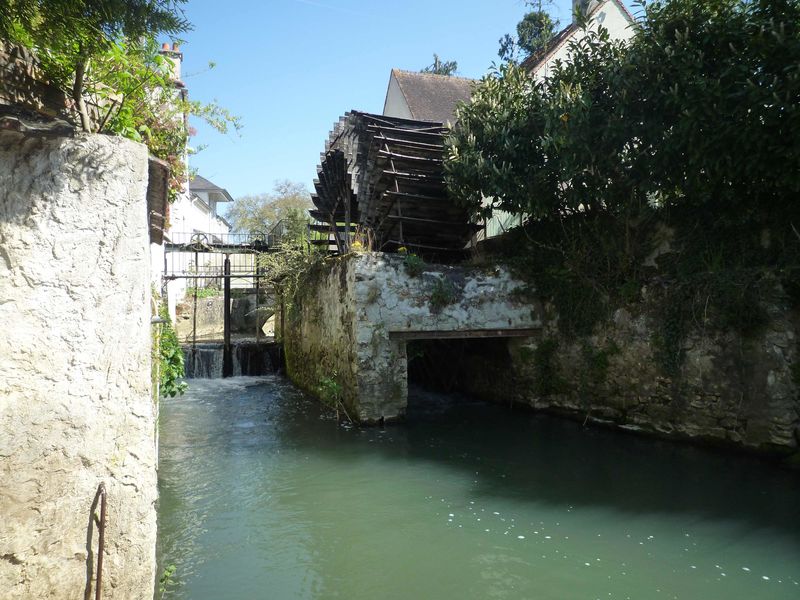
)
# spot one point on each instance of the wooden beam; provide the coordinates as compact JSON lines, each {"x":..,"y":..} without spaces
{"x":327,"y":227}
{"x":411,"y":244}
{"x":463,"y":334}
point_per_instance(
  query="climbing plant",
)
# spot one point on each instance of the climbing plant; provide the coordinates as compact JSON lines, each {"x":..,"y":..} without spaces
{"x":170,"y":358}
{"x":286,"y":269}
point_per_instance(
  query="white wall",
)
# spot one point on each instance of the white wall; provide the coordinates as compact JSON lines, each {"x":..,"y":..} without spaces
{"x":395,"y":104}
{"x":75,"y":387}
{"x":188,"y":215}
{"x":610,"y":16}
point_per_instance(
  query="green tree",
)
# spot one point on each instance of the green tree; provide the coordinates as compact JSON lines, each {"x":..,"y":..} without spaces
{"x":534,"y":32}
{"x":441,"y":67}
{"x":288,"y":200}
{"x":285,"y":272}
{"x":106,"y":50}
{"x":701,"y":108}
{"x":72,"y":33}
{"x":694,"y":125}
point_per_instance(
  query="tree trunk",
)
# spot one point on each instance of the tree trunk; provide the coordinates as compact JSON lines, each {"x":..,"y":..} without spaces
{"x":77,"y":93}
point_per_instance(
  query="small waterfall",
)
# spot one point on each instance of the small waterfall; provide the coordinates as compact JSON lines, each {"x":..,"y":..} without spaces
{"x":204,"y":361}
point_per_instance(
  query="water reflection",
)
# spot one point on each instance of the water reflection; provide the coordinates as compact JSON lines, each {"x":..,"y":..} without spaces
{"x":264,"y":495}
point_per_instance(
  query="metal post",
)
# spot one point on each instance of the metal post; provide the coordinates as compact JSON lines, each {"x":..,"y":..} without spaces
{"x":258,"y":315}
{"x":283,"y":319}
{"x":227,"y":359}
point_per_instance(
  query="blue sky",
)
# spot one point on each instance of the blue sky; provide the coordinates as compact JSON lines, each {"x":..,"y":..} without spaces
{"x":290,"y":68}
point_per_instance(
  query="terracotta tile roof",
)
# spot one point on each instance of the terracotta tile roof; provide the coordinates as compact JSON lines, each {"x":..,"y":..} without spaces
{"x":433,"y":97}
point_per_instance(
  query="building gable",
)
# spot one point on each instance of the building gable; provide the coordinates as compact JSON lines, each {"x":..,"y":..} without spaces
{"x":610,"y":14}
{"x":425,"y":96}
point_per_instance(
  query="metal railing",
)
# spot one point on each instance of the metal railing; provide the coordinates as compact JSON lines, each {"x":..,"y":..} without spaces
{"x":253,"y":240}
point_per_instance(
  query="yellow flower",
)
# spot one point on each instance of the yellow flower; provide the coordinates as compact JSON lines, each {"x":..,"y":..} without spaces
{"x":402,"y":250}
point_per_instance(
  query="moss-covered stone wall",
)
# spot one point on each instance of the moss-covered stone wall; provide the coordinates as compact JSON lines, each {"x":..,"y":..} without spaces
{"x":730,"y":388}
{"x":352,"y":317}
{"x":319,"y":331}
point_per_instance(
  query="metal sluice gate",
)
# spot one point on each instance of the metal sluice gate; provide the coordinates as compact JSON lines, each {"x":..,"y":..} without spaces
{"x":204,"y":260}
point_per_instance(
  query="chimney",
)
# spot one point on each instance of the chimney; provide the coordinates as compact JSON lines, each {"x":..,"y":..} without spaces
{"x":579,"y":7}
{"x":175,"y":57}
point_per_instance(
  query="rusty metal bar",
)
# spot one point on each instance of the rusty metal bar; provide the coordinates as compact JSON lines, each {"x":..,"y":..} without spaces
{"x":101,"y":528}
{"x":258,"y":329}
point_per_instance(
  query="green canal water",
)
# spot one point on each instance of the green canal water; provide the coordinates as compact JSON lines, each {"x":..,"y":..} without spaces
{"x":265,"y":495}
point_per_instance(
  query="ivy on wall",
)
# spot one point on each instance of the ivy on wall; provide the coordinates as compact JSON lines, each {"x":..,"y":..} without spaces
{"x":169,"y":355}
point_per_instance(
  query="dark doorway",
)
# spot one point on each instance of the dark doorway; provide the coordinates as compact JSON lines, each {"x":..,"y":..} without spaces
{"x":479,"y":367}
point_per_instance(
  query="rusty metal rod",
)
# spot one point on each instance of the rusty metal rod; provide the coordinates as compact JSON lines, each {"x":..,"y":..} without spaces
{"x":101,"y":528}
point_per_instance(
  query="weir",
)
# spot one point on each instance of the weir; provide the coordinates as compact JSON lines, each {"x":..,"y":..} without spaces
{"x":247,"y":358}
{"x":232,"y":259}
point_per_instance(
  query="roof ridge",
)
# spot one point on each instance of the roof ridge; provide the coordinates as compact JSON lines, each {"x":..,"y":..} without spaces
{"x":421,"y":74}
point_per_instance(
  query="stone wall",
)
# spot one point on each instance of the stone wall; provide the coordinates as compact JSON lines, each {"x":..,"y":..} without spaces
{"x":320,"y":337}
{"x":353,"y":322}
{"x":730,"y":388}
{"x":211,"y":319}
{"x":75,"y":382}
{"x":355,"y":319}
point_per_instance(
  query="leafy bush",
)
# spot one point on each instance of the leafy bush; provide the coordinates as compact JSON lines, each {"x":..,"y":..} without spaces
{"x":694,"y":125}
{"x":170,"y":356}
{"x":203,"y":292}
{"x":330,"y":390}
{"x":414,"y":265}
{"x":443,"y":294}
{"x":701,"y":109}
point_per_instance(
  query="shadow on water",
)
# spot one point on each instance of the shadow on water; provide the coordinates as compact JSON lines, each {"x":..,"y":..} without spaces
{"x":541,"y":458}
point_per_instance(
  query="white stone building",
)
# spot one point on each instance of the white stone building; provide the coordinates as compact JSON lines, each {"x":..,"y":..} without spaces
{"x":610,"y":14}
{"x":195,"y":212}
{"x":198,"y":212}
